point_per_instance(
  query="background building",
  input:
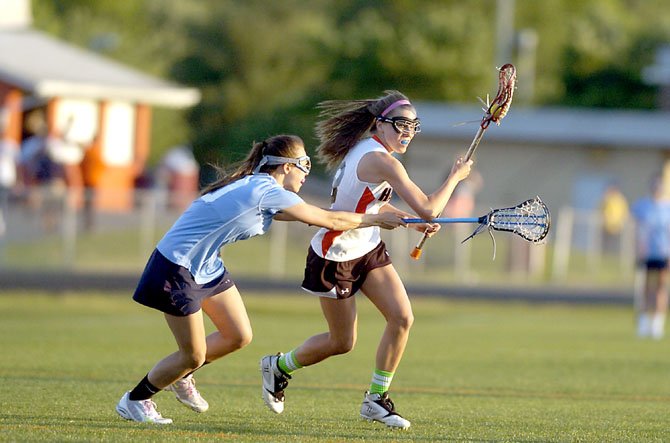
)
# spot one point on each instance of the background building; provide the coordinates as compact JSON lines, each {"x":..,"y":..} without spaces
{"x":97,"y":111}
{"x":567,"y":156}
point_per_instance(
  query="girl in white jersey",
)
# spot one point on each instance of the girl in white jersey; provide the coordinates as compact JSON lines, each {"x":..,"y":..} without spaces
{"x":186,"y":276}
{"x":358,"y":138}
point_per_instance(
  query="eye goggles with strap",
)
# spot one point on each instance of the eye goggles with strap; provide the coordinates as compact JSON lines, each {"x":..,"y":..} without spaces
{"x":303,"y":163}
{"x":403,"y":125}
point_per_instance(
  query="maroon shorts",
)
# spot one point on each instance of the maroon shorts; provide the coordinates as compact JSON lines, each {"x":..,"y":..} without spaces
{"x":171,"y":289}
{"x":336,"y":279}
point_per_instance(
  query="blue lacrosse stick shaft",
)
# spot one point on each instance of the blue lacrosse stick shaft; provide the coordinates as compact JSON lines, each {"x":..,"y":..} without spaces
{"x":445,"y":220}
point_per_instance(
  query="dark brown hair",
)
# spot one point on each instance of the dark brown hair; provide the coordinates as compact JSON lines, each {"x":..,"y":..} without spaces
{"x":344,"y":122}
{"x":279,"y":145}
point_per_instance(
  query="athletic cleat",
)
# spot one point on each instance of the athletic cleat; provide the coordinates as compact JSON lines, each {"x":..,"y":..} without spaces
{"x":380,"y":408}
{"x":188,"y":395}
{"x":274,"y":383}
{"x":143,"y":411}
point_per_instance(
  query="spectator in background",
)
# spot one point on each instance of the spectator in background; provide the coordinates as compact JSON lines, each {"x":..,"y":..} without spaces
{"x":614,"y":211}
{"x":9,"y":151}
{"x":652,"y":217}
{"x":462,"y":201}
{"x":462,"y":204}
{"x":42,"y":179}
{"x":179,"y":173}
{"x":67,"y":153}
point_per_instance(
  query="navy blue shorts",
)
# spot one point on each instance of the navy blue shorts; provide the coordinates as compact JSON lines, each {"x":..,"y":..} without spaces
{"x":171,"y":289}
{"x":658,"y":263}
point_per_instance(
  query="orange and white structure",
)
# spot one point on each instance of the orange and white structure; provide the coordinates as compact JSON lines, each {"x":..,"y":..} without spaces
{"x":98,"y":110}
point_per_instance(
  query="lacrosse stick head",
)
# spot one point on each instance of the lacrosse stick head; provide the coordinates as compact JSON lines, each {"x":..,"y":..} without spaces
{"x":530,"y":220}
{"x":498,"y":108}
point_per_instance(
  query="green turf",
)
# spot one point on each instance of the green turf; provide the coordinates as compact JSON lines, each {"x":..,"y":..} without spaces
{"x":473,"y":371}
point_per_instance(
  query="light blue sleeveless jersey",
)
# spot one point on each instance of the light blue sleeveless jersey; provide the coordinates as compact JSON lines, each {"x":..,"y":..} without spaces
{"x":653,"y":228}
{"x":238,"y":211}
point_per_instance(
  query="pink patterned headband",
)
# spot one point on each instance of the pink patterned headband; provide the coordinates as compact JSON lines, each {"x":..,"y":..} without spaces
{"x":394,"y":105}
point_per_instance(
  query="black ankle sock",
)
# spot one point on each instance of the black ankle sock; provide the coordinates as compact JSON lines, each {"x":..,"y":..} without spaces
{"x":144,"y":390}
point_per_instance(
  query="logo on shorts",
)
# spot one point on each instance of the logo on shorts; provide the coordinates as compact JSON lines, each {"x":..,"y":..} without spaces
{"x":344,"y":291}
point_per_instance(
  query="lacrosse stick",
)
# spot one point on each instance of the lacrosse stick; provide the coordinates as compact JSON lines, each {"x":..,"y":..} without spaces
{"x":493,"y":112}
{"x":530,"y":220}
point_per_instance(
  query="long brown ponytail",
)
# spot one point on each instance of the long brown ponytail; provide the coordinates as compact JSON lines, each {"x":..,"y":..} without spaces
{"x":344,"y":122}
{"x":278,"y":145}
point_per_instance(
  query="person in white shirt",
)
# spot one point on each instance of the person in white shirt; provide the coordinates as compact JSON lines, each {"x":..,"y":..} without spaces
{"x":360,"y":138}
{"x":185,"y":275}
{"x":9,"y":154}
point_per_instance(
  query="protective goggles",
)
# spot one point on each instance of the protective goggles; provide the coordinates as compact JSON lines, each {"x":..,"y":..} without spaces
{"x":303,"y":163}
{"x":403,"y":125}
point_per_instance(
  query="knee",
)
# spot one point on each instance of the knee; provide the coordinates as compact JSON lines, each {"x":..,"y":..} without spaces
{"x":194,"y":359}
{"x":342,"y":345}
{"x":403,"y":321}
{"x":241,"y":340}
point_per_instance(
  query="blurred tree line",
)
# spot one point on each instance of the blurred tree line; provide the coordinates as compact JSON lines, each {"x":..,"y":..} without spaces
{"x":263,"y":65}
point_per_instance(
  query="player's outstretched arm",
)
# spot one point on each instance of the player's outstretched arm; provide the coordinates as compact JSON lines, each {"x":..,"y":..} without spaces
{"x":338,"y":220}
{"x":377,"y":167}
{"x":429,"y":228}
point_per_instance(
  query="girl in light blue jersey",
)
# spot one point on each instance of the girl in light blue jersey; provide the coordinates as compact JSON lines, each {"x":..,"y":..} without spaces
{"x":185,"y":275}
{"x":652,"y":220}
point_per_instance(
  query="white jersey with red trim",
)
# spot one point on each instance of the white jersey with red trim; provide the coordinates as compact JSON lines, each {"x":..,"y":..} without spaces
{"x":353,"y":195}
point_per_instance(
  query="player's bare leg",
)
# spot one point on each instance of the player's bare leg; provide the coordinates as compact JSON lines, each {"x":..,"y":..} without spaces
{"x":340,"y":338}
{"x":386,"y":291}
{"x":229,"y":315}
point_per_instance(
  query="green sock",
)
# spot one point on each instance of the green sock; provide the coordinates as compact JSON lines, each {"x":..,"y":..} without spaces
{"x":288,"y":363}
{"x":381,"y":380}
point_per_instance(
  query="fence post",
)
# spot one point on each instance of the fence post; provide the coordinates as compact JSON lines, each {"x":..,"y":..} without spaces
{"x":537,"y":259}
{"x":627,"y":247}
{"x":594,"y":241}
{"x":69,"y":229}
{"x":565,"y":221}
{"x":278,"y":249}
{"x":4,"y":226}
{"x":148,"y":215}
{"x":462,"y":252}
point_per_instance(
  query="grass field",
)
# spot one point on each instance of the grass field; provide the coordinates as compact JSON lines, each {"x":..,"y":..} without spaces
{"x":473,"y":371}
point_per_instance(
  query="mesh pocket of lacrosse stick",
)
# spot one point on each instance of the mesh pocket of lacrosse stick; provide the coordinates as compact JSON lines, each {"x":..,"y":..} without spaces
{"x":498,"y":108}
{"x":530,"y":220}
